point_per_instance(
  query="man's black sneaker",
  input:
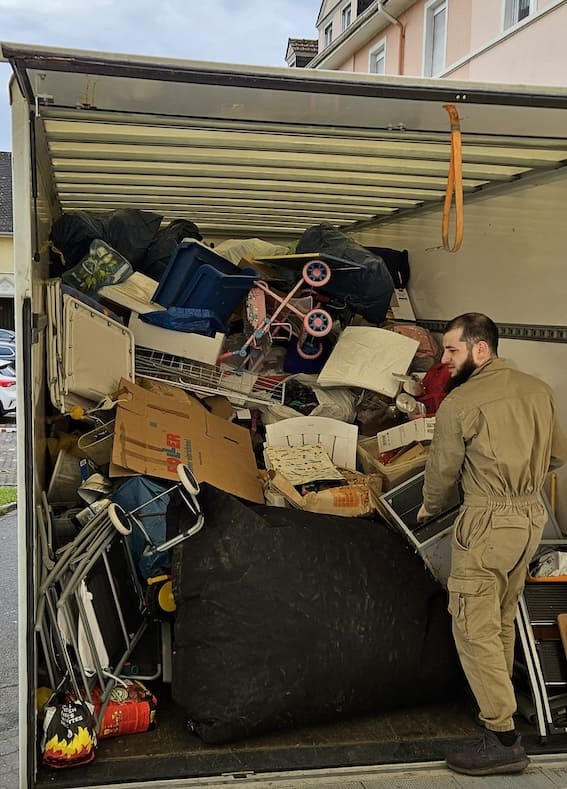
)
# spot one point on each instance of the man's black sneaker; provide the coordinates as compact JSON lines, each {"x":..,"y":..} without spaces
{"x":488,"y":756}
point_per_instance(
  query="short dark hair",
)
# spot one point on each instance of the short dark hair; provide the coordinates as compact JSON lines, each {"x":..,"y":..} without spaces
{"x":475,"y":327}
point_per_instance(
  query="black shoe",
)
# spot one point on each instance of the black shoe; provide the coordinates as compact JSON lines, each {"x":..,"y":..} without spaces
{"x":488,"y":756}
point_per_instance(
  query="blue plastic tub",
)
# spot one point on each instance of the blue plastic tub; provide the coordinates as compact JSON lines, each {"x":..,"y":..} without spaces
{"x":178,"y":279}
{"x":220,"y":293}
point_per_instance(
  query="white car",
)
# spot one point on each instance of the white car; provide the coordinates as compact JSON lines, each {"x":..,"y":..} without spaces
{"x":7,"y":391}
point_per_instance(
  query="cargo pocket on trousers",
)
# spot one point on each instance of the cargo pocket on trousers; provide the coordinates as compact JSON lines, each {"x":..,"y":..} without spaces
{"x":507,"y":542}
{"x":472,"y":604}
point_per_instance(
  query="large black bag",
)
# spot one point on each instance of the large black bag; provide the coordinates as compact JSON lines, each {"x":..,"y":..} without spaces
{"x":397,"y":263}
{"x":127,"y":230}
{"x":164,"y":245}
{"x":368,"y":289}
{"x":286,"y":618}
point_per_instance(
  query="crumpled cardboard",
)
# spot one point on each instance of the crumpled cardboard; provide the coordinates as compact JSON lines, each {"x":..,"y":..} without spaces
{"x":356,"y":499}
{"x":155,"y":431}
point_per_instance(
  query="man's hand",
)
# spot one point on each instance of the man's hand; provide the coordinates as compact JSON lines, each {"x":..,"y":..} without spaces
{"x":422,"y":515}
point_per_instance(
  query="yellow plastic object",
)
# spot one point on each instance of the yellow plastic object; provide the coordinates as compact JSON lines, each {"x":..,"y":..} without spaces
{"x":76,"y":412}
{"x":165,"y":598}
{"x":42,"y":696}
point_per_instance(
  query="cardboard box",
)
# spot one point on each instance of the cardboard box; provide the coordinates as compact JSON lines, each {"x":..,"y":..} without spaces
{"x":196,"y":347}
{"x":406,"y":465}
{"x":420,"y":429}
{"x":154,"y":432}
{"x":356,"y":499}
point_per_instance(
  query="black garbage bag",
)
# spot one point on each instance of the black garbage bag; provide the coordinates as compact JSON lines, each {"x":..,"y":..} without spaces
{"x":164,"y":245}
{"x":129,"y":231}
{"x":287,"y":618}
{"x":397,"y":263}
{"x":368,"y":289}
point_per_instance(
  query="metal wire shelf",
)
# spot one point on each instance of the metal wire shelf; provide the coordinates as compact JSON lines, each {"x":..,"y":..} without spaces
{"x":238,"y":386}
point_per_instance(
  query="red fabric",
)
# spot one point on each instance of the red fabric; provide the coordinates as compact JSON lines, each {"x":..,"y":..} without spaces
{"x":434,"y":387}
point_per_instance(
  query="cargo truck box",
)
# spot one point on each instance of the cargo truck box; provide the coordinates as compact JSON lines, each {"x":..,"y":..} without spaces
{"x":251,"y":152}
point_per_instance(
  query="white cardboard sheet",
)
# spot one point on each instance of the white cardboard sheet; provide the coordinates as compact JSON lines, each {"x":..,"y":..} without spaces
{"x":367,"y":357}
{"x":400,"y":436}
{"x":135,"y":293}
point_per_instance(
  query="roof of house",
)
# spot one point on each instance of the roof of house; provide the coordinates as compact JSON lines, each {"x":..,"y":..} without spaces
{"x":6,"y":225}
{"x":304,"y":45}
{"x":309,"y":44}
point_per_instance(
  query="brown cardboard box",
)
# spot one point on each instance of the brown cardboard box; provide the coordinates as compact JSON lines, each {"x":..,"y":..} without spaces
{"x":406,"y":464}
{"x":155,"y":431}
{"x":357,"y":499}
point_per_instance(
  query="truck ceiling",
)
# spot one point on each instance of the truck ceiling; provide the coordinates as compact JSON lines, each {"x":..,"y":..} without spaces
{"x":256,"y":151}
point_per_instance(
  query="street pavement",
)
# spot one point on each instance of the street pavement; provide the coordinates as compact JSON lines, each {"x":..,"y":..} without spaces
{"x":8,"y":618}
{"x":8,"y":651}
{"x":8,"y":453}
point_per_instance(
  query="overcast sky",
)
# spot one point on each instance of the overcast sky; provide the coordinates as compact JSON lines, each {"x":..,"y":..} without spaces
{"x":246,"y":31}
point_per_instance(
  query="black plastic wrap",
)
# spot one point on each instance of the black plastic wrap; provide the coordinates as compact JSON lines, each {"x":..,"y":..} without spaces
{"x":397,"y":263}
{"x":368,"y":290}
{"x":287,"y":618}
{"x":164,"y":245}
{"x":129,"y":231}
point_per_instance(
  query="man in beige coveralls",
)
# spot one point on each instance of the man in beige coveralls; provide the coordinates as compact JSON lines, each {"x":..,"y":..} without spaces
{"x":497,"y":433}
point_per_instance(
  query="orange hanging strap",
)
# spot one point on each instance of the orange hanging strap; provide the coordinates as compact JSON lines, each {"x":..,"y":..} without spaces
{"x":454,"y":184}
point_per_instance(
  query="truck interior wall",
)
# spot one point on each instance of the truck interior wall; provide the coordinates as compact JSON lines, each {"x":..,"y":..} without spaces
{"x":510,"y":266}
{"x":32,"y":220}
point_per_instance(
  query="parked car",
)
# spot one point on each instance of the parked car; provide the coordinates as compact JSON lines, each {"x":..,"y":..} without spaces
{"x":8,"y":352}
{"x":7,"y":390}
{"x":7,"y":335}
{"x":7,"y":369}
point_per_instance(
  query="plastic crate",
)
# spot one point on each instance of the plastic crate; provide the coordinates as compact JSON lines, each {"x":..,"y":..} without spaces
{"x":220,"y":293}
{"x":185,"y":262}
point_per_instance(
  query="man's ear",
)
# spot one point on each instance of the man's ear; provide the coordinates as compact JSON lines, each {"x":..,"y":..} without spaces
{"x":483,"y":350}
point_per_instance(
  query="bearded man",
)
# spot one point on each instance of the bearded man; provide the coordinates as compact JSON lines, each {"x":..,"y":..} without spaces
{"x":496,"y":433}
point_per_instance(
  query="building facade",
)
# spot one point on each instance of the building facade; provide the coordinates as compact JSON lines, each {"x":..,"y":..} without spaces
{"x":6,"y":243}
{"x":517,"y":41}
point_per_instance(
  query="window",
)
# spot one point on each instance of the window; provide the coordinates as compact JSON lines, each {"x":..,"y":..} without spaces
{"x":328,"y":34}
{"x":377,"y":58}
{"x":516,"y":10}
{"x":435,"y":37}
{"x":345,"y":17}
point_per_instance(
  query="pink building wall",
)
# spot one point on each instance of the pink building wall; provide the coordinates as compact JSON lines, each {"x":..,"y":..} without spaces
{"x":534,"y":53}
{"x":335,"y":18}
{"x":460,"y":25}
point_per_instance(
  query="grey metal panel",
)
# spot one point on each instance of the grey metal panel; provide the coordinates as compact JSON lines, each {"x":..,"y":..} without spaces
{"x":102,"y":115}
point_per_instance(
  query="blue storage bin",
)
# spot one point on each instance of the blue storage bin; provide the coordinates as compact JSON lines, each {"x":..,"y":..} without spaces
{"x":185,"y":262}
{"x":210,"y":289}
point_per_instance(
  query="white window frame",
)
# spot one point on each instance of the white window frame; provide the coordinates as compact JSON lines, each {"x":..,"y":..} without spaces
{"x":510,"y":11}
{"x":378,"y":49}
{"x":346,"y":11}
{"x":432,"y":7}
{"x":328,"y":34}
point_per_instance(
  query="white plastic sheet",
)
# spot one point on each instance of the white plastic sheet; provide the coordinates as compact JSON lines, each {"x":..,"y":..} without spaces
{"x":369,"y":358}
